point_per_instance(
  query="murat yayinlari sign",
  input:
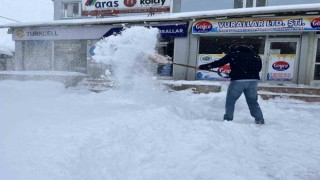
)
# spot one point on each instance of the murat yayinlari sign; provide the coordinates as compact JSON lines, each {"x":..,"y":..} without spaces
{"x":270,"y":24}
{"x":107,"y":7}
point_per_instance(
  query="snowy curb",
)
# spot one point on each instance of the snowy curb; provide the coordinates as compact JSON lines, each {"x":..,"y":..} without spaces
{"x":196,"y":86}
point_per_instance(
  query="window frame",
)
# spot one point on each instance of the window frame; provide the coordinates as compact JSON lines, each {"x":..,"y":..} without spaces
{"x":70,"y":55}
{"x":37,"y":55}
{"x":244,"y":4}
{"x":315,"y":63}
{"x":64,"y":11}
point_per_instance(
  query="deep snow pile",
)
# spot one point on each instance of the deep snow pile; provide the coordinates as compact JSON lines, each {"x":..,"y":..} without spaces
{"x":143,"y":132}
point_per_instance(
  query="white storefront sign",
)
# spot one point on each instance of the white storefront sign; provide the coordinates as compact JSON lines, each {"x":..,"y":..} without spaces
{"x":56,"y":33}
{"x":268,"y":24}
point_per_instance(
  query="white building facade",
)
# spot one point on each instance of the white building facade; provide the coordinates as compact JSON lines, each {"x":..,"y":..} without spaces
{"x":286,"y":37}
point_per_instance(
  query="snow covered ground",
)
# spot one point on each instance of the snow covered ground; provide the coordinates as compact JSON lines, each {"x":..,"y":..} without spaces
{"x":140,"y":131}
{"x":49,"y":132}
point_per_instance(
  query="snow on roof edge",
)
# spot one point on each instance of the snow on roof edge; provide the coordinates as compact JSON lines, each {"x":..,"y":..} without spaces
{"x":173,"y":16}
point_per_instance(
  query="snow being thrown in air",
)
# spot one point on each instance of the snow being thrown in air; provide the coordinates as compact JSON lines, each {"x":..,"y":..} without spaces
{"x":127,"y":53}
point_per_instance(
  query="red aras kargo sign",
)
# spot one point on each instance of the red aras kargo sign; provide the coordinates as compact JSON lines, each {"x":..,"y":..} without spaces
{"x":108,"y":7}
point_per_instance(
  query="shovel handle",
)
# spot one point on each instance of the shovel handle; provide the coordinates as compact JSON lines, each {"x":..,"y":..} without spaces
{"x":163,"y":60}
{"x":184,"y":65}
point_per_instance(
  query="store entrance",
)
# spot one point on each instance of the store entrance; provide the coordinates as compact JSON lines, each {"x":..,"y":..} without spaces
{"x":281,"y":60}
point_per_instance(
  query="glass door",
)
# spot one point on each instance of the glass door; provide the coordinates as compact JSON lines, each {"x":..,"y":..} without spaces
{"x":282,"y":60}
{"x":316,"y":73}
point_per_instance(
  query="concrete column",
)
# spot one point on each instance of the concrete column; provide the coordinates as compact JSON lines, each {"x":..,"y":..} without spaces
{"x":193,"y":53}
{"x":305,"y":57}
{"x":180,"y":56}
{"x":18,"y":58}
{"x":175,"y":6}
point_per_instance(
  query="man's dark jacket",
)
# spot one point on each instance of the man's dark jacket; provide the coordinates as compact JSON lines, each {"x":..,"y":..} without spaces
{"x":244,"y":63}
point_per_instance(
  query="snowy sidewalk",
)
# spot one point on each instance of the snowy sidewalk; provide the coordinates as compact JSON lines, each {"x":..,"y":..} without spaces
{"x":49,"y":132}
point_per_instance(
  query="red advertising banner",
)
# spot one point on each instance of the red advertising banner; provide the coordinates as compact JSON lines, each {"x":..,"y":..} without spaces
{"x":109,"y":7}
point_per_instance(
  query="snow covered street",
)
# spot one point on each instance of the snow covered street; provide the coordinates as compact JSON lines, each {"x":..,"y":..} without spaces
{"x":49,"y":132}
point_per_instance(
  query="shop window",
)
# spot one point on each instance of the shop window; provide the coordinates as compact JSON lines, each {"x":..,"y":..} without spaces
{"x":283,"y":36}
{"x":249,"y":3}
{"x":165,"y":48}
{"x":317,"y":72}
{"x":70,"y":55}
{"x":317,"y":63}
{"x":3,"y":59}
{"x":71,"y":10}
{"x":37,"y":56}
{"x":220,"y":45}
{"x":285,"y":47}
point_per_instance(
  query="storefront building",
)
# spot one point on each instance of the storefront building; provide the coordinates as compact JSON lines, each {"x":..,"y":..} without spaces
{"x":67,"y":46}
{"x":286,"y":44}
{"x":286,"y":38}
{"x":71,"y":48}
